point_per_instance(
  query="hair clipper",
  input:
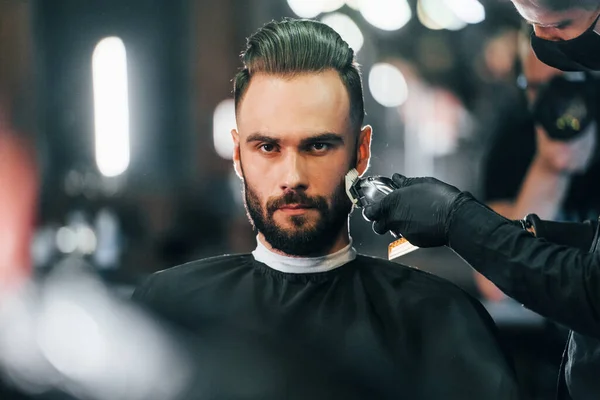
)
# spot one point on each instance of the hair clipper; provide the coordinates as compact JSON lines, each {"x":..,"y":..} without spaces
{"x":364,"y":191}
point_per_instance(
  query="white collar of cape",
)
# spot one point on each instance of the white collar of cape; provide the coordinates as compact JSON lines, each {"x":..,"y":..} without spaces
{"x":303,"y":265}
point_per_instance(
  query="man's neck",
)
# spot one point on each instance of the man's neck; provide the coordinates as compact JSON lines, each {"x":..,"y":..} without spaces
{"x":342,"y":241}
{"x":324,"y":262}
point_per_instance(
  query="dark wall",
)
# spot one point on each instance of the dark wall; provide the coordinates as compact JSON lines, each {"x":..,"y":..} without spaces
{"x":156,"y":38}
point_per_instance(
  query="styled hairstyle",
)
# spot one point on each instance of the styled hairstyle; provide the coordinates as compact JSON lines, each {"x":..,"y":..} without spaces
{"x":562,"y":5}
{"x":292,"y":47}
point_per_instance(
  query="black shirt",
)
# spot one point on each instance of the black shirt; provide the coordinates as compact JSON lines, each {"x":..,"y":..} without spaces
{"x":512,"y":149}
{"x":561,"y":283}
{"x":370,"y":329}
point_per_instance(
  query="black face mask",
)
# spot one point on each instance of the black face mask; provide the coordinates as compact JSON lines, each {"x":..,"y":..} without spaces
{"x":579,"y":54}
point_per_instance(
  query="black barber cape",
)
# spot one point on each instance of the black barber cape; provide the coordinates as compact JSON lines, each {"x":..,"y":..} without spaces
{"x":370,"y":329}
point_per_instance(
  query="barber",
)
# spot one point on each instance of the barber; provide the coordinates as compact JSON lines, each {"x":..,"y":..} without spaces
{"x":552,"y":268}
{"x":559,"y":281}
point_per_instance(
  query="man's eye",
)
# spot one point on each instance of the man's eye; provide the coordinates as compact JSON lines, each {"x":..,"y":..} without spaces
{"x":319,"y":146}
{"x":267,"y":147}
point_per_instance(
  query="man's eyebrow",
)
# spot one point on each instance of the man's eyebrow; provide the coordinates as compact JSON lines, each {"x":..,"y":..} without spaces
{"x":261,"y":137}
{"x":323,"y":137}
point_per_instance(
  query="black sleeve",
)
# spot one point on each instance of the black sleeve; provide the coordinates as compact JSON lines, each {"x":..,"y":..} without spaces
{"x":561,"y":283}
{"x":508,"y":157}
{"x":464,"y":343}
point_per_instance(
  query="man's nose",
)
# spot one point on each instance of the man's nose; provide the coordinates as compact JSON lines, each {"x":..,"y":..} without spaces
{"x":295,"y":173}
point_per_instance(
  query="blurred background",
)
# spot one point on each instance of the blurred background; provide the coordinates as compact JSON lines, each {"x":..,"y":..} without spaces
{"x":115,"y":147}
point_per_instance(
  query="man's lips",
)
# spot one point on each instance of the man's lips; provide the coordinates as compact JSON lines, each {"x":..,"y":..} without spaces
{"x":295,"y":209}
{"x":295,"y":206}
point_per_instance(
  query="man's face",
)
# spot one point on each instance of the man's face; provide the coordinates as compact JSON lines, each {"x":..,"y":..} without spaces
{"x":556,"y":25}
{"x":293,"y":147}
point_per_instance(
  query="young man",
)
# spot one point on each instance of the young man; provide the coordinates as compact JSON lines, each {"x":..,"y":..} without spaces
{"x":566,"y":32}
{"x":304,"y":316}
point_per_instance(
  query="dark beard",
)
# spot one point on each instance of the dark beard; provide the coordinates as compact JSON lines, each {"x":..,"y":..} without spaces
{"x":305,"y":240}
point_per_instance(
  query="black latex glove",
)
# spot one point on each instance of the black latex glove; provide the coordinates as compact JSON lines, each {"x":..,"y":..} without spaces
{"x":420,"y":210}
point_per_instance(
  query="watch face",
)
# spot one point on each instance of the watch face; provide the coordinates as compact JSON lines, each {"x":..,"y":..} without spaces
{"x":531,"y":229}
{"x":528,"y":223}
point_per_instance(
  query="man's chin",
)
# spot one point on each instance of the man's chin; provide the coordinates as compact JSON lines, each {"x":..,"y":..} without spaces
{"x":291,"y":230}
{"x":296,"y":222}
{"x":296,"y":244}
{"x":303,"y":240}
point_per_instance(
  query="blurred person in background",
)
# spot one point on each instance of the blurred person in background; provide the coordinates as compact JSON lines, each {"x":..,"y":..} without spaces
{"x":303,"y":315}
{"x":566,"y":32}
{"x":18,"y":204}
{"x":66,"y":335}
{"x":19,"y":175}
{"x":530,"y":171}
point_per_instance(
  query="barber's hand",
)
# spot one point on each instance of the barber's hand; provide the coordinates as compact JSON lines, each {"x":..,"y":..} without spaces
{"x":419,"y":210}
{"x":566,"y":156}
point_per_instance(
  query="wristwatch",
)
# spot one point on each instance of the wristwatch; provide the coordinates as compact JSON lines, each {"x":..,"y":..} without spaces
{"x":583,"y":235}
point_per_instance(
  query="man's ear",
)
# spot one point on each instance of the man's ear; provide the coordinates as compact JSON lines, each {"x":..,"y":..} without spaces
{"x":363,"y":150}
{"x":235,"y":135}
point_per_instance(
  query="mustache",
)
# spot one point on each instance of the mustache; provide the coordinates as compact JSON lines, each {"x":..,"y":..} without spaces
{"x":318,"y":202}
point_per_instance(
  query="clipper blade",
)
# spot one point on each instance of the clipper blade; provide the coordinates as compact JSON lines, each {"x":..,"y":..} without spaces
{"x":350,"y":180}
{"x":399,"y":248}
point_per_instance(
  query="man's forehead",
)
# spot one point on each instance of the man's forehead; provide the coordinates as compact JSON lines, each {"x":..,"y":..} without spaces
{"x":299,"y":88}
{"x":307,"y":104}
